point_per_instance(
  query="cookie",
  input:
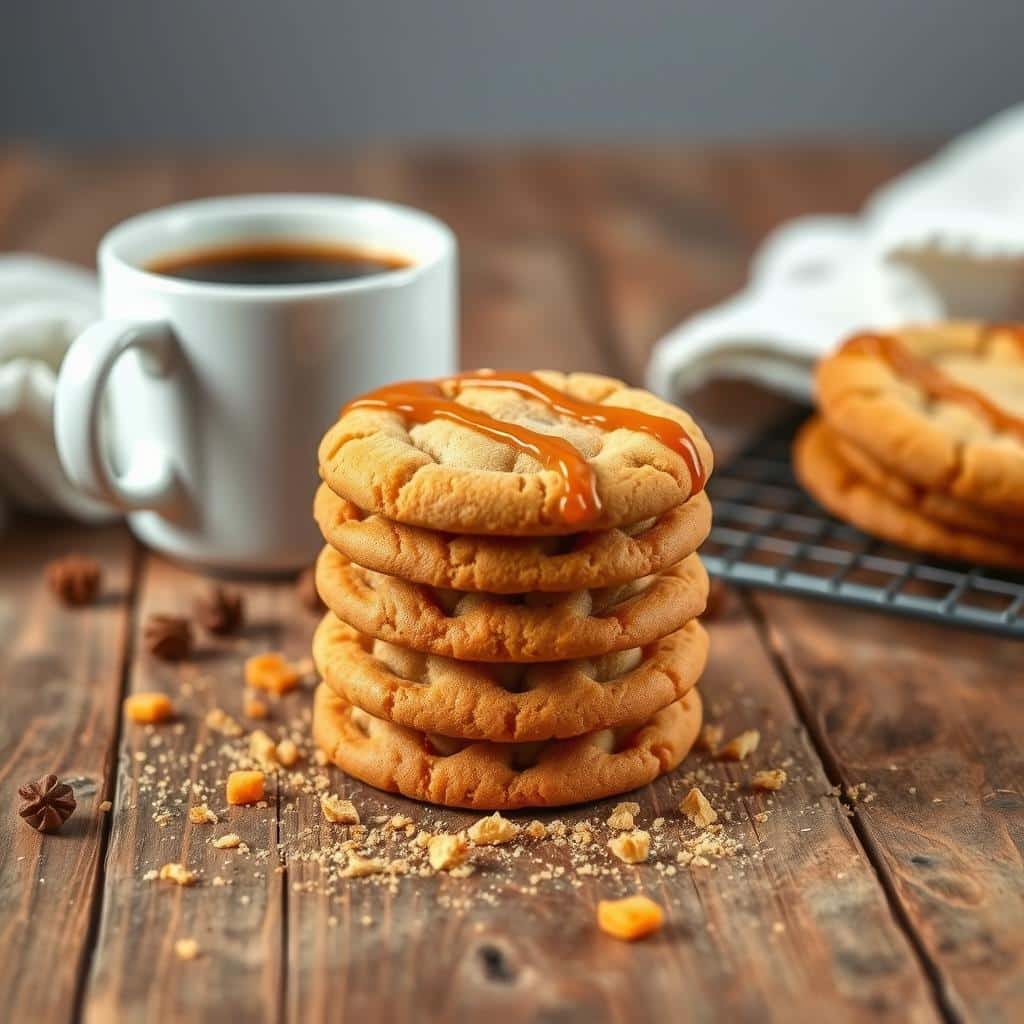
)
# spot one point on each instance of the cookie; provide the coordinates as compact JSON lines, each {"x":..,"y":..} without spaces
{"x":941,"y":407}
{"x":474,"y":626}
{"x":512,"y":565}
{"x":838,"y":487}
{"x":507,"y":703}
{"x":503,"y":776}
{"x":931,"y":504}
{"x":501,"y":460}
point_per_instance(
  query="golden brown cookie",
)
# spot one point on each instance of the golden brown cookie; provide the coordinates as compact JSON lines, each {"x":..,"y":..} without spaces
{"x":931,"y":504}
{"x":444,"y":475}
{"x":512,"y":565}
{"x":503,"y":776}
{"x":507,"y":703}
{"x":941,"y":407}
{"x":837,"y":486}
{"x":476,"y":626}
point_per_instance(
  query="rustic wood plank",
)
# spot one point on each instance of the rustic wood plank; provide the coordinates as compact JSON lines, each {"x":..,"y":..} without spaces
{"x":793,"y":928}
{"x":930,"y":720}
{"x":60,"y":682}
{"x":163,"y":770}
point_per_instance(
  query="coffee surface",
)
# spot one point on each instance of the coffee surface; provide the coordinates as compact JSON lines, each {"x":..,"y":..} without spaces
{"x":277,"y":262}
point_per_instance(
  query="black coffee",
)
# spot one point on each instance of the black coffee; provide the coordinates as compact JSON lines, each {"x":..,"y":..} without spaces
{"x":277,"y":262}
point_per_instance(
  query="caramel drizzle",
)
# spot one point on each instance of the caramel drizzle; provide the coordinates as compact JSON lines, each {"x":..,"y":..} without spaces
{"x":421,"y":401}
{"x":932,"y":380}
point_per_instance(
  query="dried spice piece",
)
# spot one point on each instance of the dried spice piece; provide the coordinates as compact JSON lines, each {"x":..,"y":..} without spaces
{"x":75,"y":579}
{"x":48,"y":803}
{"x":629,"y":918}
{"x":168,"y":637}
{"x":308,"y":595}
{"x":220,"y":611}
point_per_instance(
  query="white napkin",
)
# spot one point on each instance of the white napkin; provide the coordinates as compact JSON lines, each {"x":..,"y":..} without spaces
{"x":43,"y":306}
{"x":944,"y":241}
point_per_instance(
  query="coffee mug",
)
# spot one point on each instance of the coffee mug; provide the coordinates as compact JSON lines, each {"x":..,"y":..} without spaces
{"x":196,"y":407}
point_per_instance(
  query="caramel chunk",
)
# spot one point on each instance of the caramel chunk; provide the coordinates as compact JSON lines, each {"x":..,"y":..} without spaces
{"x":245,"y":787}
{"x":271,"y":672}
{"x":630,"y":918}
{"x":148,"y":708}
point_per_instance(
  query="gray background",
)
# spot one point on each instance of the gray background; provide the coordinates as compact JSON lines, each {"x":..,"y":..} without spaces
{"x":311,"y":71}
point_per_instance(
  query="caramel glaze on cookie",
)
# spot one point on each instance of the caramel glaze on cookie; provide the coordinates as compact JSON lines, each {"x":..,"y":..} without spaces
{"x":503,"y":776}
{"x":512,"y":565}
{"x":515,"y":454}
{"x":507,"y":703}
{"x":941,"y":407}
{"x":837,"y":486}
{"x":492,"y":627}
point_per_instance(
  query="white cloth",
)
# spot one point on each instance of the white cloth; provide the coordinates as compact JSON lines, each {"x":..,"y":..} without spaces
{"x":943,"y":241}
{"x":43,"y":306}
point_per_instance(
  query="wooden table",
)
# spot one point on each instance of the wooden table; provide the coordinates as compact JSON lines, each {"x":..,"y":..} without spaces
{"x":907,"y":907}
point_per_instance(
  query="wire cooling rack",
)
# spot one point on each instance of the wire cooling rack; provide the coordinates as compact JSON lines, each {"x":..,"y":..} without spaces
{"x":769,"y":533}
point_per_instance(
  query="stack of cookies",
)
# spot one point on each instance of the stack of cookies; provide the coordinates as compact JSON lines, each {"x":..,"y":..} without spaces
{"x":920,"y":439}
{"x":513,"y":588}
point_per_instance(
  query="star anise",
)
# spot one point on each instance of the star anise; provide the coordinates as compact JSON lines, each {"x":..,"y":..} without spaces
{"x":220,"y":611}
{"x":168,"y":637}
{"x":48,"y":803}
{"x":75,"y":579}
{"x":308,"y":595}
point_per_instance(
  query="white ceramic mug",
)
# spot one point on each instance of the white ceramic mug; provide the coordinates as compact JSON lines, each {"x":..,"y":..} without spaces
{"x":218,"y":394}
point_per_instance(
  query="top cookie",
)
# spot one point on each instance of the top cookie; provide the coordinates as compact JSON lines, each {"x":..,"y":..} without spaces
{"x":940,"y":406}
{"x":519,"y":463}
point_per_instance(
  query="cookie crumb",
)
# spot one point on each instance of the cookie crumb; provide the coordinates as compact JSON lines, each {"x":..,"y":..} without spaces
{"x":710,"y":738}
{"x":630,"y":918}
{"x":338,"y":811}
{"x":446,"y":851}
{"x":178,"y":874}
{"x":696,"y":806}
{"x":220,"y":721}
{"x":536,"y":829}
{"x":493,"y":830}
{"x":262,"y":749}
{"x":631,"y":847}
{"x":186,"y":949}
{"x":739,"y":747}
{"x":287,"y":753}
{"x":253,"y":707}
{"x":200,"y":814}
{"x":622,"y":817}
{"x":230,"y":841}
{"x":105,"y":806}
{"x":769,"y":780}
{"x":361,"y":867}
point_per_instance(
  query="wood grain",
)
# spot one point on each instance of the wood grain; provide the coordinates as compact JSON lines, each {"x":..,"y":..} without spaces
{"x":930,"y":719}
{"x":164,"y":769}
{"x":60,"y":685}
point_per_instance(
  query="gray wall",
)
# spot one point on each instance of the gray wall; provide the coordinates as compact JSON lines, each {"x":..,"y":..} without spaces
{"x":263,"y":71}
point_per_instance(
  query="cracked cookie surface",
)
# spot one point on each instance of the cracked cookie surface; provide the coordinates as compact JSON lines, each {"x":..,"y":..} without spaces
{"x":512,"y":565}
{"x":941,"y":407}
{"x":445,"y":476}
{"x":503,"y":776}
{"x":837,"y":486}
{"x":475,"y":626}
{"x":507,"y":702}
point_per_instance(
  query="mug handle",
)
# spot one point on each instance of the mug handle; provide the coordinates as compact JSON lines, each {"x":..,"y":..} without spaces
{"x":150,"y":481}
